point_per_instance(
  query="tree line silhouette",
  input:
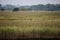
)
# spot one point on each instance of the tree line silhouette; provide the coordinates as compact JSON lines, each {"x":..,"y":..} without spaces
{"x":47,"y":7}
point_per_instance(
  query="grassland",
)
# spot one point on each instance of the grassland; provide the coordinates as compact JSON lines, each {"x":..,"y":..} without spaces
{"x":29,"y":24}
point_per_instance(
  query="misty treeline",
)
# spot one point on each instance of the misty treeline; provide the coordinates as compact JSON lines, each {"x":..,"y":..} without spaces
{"x":47,"y":7}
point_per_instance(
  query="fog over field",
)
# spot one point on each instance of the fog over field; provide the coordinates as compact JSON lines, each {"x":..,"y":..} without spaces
{"x":29,"y":2}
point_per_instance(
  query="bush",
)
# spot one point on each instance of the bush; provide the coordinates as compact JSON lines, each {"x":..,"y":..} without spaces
{"x":2,"y":9}
{"x":16,"y":9}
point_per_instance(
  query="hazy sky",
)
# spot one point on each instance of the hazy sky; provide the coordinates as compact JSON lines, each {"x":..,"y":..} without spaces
{"x":29,"y":2}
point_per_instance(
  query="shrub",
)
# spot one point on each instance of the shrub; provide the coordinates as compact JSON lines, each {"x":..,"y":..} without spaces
{"x":2,"y":9}
{"x":16,"y":9}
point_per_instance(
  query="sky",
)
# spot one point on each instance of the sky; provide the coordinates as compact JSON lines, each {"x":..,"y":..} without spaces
{"x":29,"y":2}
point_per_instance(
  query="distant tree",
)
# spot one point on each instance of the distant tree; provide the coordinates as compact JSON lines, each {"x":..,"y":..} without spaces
{"x":0,"y":6}
{"x":23,"y":9}
{"x":2,"y":9}
{"x":16,"y":9}
{"x":58,"y":7}
{"x":50,"y":7}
